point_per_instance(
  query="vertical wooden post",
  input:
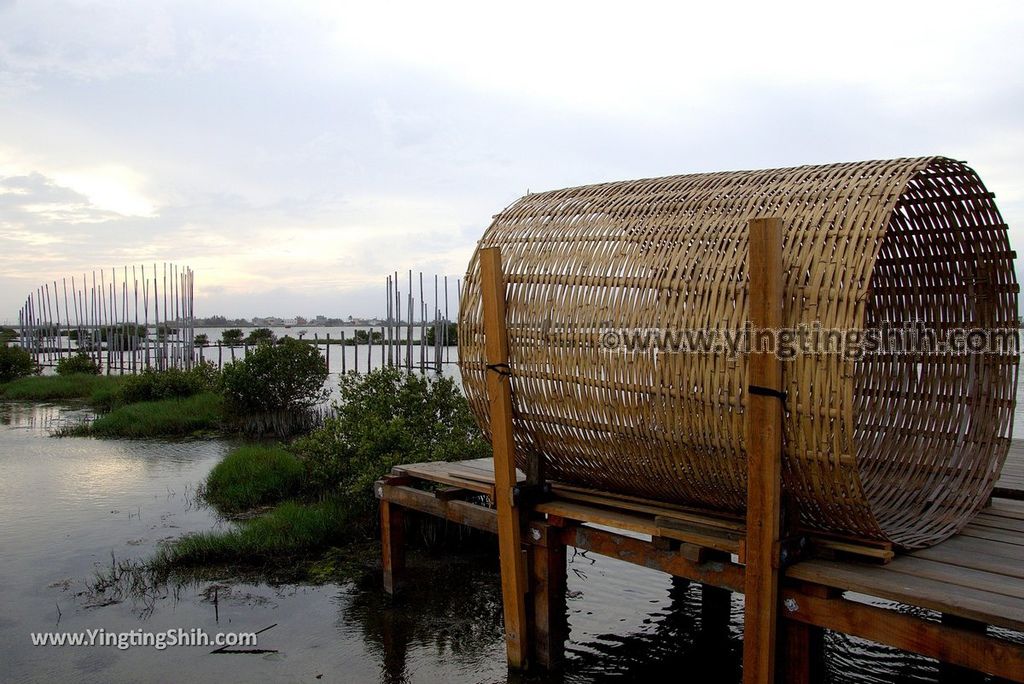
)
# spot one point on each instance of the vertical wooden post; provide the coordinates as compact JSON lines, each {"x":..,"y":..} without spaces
{"x":547,"y":593}
{"x":953,"y":674}
{"x":764,"y":453}
{"x":802,"y":646}
{"x":499,"y":393}
{"x":715,"y":612}
{"x":392,"y":538}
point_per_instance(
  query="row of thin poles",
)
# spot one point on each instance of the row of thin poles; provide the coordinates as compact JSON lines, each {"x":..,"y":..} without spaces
{"x":109,"y":322}
{"x":397,"y":334}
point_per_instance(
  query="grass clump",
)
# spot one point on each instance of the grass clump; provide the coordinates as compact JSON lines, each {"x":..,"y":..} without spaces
{"x":190,"y":416}
{"x":98,"y":390}
{"x":385,"y":418}
{"x":291,"y":529}
{"x":252,"y":476}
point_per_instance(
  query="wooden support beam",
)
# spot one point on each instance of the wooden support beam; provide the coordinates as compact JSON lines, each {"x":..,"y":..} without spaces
{"x":763,"y":420}
{"x":640,"y":552}
{"x":455,"y":510}
{"x":954,"y":645}
{"x":499,"y":394}
{"x":392,"y":543}
{"x":547,"y":592}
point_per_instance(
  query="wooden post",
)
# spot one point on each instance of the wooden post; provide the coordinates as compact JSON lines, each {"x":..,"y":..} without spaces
{"x":954,"y":674}
{"x":547,"y":593}
{"x":764,"y":453}
{"x":392,"y":538}
{"x":499,"y":393}
{"x":715,"y":612}
{"x":802,"y":646}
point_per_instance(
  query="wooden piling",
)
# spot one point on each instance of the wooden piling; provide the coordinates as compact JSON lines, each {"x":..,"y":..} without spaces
{"x":499,"y":393}
{"x":392,"y":535}
{"x":763,"y":420}
{"x":547,"y":593}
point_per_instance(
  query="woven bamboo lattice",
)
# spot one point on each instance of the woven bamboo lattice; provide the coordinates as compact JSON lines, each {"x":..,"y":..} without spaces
{"x":891,"y":447}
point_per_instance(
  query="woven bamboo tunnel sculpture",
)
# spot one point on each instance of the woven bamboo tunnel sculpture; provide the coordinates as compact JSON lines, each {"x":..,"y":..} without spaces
{"x":894,"y":447}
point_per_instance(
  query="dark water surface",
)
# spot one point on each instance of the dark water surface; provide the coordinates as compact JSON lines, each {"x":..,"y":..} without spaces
{"x":68,"y":505}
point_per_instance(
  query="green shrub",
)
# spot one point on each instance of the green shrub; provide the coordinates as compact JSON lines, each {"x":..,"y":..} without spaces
{"x":15,"y":362}
{"x":154,"y":385}
{"x":202,"y":340}
{"x":80,"y":363}
{"x":287,"y":377}
{"x":386,"y":418}
{"x":186,"y":417}
{"x":252,"y":476}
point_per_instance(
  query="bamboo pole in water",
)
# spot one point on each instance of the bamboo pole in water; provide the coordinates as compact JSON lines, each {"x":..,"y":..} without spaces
{"x":398,"y":329}
{"x":135,"y":332}
{"x":145,"y":313}
{"x":408,"y":341}
{"x":344,"y":351}
{"x":167,"y":314}
{"x":67,"y":312}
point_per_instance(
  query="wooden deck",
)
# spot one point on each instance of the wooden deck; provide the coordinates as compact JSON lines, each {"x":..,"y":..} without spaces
{"x":974,"y":579}
{"x":1011,"y":481}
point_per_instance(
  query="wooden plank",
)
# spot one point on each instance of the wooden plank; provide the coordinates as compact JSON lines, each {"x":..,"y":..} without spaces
{"x":1002,"y":536}
{"x":716,"y":572}
{"x":881,"y":582}
{"x":998,"y":523}
{"x":763,"y":432}
{"x":1006,"y":508}
{"x":392,"y":544}
{"x":461,"y":512}
{"x":946,"y":643}
{"x":955,"y":554}
{"x":601,"y":516}
{"x":954,"y":574}
{"x":499,"y":394}
{"x":641,"y":505}
{"x":438,"y":472}
{"x":983,"y":547}
{"x":719,"y":539}
{"x":879,"y":552}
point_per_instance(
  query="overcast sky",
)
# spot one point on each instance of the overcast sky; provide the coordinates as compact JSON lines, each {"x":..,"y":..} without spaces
{"x":295,"y":153}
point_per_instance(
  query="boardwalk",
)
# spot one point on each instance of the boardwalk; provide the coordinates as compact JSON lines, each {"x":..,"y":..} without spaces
{"x":974,"y":579}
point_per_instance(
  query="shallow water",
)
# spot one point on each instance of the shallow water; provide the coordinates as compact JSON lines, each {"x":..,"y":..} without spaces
{"x":68,"y":505}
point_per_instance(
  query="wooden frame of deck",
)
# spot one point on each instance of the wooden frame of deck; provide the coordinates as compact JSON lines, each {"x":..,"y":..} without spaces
{"x":977,"y":581}
{"x":795,"y":583}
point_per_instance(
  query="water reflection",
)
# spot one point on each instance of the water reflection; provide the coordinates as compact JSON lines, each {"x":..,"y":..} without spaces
{"x":68,"y":504}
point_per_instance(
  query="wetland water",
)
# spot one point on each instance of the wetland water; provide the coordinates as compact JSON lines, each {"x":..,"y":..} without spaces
{"x":68,"y":505}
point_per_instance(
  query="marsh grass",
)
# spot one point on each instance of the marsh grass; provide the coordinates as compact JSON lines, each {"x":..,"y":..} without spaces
{"x":252,"y":476}
{"x":99,"y":391}
{"x":291,"y":530}
{"x":197,"y":415}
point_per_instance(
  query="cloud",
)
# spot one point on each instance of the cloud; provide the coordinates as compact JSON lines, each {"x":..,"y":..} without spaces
{"x":300,"y":153}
